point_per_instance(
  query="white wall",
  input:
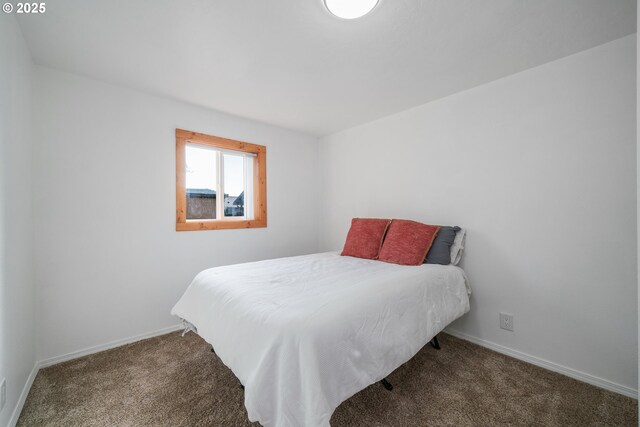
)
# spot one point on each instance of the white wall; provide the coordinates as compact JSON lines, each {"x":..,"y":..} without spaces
{"x":540,"y":167}
{"x":17,"y":300}
{"x":109,"y":263}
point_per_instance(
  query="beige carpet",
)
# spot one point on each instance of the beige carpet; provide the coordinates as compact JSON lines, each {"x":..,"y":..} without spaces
{"x":175,"y":381}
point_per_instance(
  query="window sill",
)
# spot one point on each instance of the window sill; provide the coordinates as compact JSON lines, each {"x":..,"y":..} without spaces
{"x":219,"y":224}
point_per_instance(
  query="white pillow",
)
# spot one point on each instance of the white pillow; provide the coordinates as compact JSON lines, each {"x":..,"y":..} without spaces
{"x":458,"y":246}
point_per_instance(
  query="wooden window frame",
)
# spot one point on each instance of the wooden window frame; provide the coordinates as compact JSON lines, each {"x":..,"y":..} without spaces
{"x":259,"y":183}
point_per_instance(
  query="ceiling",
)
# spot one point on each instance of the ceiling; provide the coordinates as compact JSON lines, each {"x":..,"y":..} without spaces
{"x":292,"y":64}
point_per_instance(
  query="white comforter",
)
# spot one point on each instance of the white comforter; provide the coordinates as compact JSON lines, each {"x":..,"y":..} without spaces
{"x":305,"y":333}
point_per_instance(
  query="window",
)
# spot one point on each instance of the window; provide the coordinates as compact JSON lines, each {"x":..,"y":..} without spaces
{"x":220,"y":183}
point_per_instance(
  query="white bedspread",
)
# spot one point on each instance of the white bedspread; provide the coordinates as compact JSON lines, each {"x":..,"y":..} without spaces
{"x":305,"y":333}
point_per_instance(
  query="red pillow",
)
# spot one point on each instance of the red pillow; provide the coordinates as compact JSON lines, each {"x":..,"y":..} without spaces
{"x":365,"y":237}
{"x":407,"y":242}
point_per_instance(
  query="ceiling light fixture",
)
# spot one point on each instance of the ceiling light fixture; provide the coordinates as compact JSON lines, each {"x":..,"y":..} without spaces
{"x":350,"y":9}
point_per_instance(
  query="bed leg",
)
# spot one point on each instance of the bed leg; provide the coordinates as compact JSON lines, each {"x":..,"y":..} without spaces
{"x":434,"y":342}
{"x":386,"y":384}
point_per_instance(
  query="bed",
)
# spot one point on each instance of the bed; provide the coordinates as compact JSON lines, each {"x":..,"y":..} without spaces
{"x":303,"y":334}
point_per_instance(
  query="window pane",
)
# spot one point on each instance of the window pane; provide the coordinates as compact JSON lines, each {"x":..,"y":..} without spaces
{"x":201,"y":182}
{"x":233,"y":185}
{"x":248,"y":188}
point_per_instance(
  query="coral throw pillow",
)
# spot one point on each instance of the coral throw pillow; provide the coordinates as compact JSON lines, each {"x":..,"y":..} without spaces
{"x":407,"y":242}
{"x":365,"y":237}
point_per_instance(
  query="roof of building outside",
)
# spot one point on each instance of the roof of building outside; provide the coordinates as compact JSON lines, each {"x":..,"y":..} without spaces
{"x":203,"y":193}
{"x":239,"y":200}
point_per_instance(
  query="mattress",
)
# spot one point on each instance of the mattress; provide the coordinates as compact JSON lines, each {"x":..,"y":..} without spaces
{"x":305,"y":333}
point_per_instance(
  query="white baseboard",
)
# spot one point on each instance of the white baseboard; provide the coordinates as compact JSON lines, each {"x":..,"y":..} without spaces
{"x":23,"y":396}
{"x":569,"y":372}
{"x":102,"y":347}
{"x":74,"y":355}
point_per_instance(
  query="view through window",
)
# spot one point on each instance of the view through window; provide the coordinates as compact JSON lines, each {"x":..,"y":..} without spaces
{"x":211,"y":172}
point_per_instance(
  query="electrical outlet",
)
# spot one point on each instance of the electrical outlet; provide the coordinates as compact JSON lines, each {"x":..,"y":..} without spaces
{"x":3,"y":394}
{"x":506,"y":321}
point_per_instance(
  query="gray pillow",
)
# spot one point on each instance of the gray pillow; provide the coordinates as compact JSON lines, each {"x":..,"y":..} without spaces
{"x":440,"y":252}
